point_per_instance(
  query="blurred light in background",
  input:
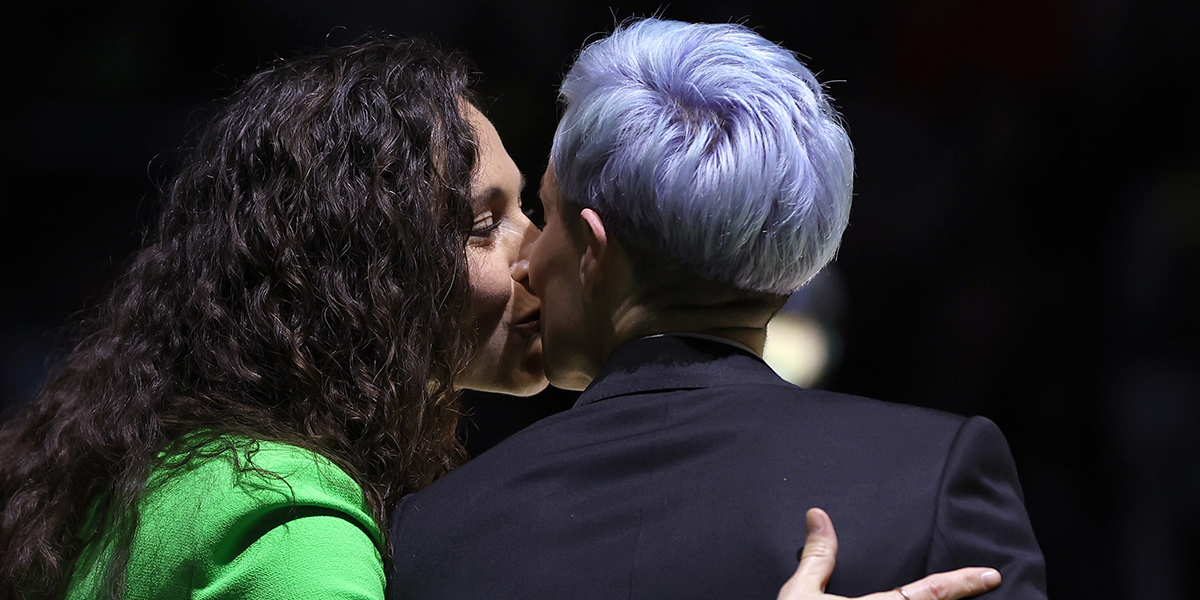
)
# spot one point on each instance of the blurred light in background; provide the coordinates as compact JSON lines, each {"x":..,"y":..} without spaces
{"x":797,"y":348}
{"x":803,"y":342}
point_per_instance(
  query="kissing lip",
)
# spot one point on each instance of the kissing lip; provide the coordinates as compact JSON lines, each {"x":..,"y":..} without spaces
{"x":531,"y":320}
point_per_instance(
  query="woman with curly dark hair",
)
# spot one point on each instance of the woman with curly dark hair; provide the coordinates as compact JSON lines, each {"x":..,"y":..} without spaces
{"x":341,"y":248}
{"x":274,"y":369}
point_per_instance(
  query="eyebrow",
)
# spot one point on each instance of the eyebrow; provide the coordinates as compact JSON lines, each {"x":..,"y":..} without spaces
{"x":491,"y":192}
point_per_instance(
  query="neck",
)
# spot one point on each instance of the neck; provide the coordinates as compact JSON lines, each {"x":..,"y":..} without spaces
{"x":622,"y":311}
{"x":636,"y":322}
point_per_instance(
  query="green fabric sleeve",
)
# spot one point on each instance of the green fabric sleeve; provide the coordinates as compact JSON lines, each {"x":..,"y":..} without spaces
{"x":294,"y":527}
{"x":297,"y":560}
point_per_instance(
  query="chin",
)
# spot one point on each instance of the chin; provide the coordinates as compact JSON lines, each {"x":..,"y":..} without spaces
{"x":526,"y":379}
{"x":529,"y":380}
{"x":531,"y":376}
{"x":513,"y":373}
{"x":530,"y":388}
{"x":523,"y":388}
{"x":560,"y":376}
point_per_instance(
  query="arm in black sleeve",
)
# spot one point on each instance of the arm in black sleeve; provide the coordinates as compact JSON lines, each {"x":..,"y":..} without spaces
{"x":981,"y":519}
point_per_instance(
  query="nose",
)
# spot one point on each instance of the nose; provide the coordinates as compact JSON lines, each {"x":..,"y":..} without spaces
{"x":520,"y":267}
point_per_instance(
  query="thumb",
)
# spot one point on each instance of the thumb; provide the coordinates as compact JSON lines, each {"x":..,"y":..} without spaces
{"x":816,"y":560}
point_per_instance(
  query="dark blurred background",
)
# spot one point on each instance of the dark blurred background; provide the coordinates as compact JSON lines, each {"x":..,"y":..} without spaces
{"x":1024,"y":243}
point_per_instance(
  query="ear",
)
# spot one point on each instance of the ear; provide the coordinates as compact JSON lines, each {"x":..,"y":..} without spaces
{"x":597,"y":253}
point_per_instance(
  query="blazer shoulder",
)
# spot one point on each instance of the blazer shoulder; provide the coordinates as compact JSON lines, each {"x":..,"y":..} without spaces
{"x":790,"y":399}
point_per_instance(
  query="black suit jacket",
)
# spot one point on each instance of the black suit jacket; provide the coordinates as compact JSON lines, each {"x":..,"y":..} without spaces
{"x":684,"y":471}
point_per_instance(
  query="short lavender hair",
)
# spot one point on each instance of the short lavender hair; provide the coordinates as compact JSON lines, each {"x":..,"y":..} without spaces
{"x":710,"y":144}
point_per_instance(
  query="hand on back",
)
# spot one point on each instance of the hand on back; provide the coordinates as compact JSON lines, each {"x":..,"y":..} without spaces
{"x":820,"y":555}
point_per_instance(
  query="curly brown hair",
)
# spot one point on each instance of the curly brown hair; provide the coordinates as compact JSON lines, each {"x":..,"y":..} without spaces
{"x":305,"y":283}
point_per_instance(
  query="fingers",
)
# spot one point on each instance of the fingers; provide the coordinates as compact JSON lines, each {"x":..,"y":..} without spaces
{"x":951,"y":585}
{"x":816,"y":560}
{"x":820,"y":555}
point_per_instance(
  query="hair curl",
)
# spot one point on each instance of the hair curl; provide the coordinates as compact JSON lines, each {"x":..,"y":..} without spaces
{"x":305,"y":283}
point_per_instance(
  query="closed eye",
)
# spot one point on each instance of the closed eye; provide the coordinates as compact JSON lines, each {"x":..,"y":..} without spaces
{"x":485,"y":223}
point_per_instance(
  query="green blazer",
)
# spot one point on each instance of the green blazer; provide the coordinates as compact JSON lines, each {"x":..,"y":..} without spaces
{"x":301,"y":528}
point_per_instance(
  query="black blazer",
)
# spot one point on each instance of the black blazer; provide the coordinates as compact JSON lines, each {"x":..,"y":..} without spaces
{"x":684,"y":471}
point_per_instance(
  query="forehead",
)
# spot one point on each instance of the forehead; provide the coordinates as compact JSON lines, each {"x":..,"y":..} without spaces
{"x":495,"y":169}
{"x":490,"y":146}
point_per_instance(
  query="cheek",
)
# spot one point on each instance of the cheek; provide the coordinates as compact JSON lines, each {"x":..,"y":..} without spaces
{"x":541,"y":263}
{"x":504,"y":360}
{"x":491,"y":288}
